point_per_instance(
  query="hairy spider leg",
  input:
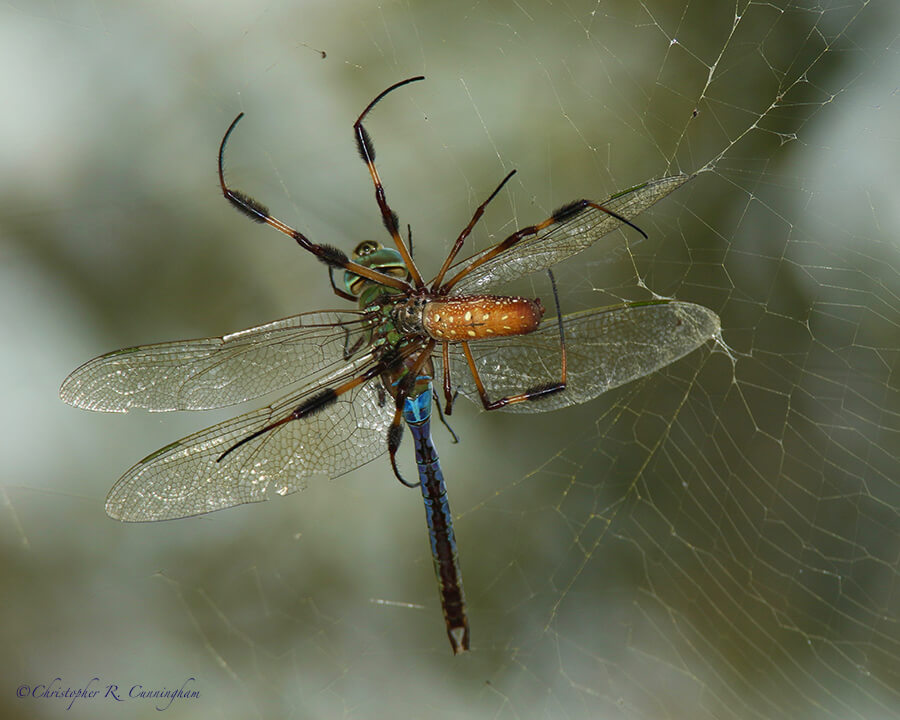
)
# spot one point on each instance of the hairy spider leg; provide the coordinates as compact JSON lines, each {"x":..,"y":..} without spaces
{"x":256,"y":211}
{"x":534,"y":393}
{"x":367,"y":153}
{"x":563,"y":213}
{"x":457,"y":246}
{"x":328,"y":396}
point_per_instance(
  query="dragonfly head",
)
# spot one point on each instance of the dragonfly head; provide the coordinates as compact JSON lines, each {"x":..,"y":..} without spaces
{"x":374,"y":255}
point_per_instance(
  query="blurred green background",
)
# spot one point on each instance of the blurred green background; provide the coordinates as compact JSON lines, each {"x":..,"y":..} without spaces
{"x":719,"y":540}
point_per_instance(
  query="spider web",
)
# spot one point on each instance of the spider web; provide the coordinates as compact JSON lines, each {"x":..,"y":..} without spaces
{"x":718,"y":540}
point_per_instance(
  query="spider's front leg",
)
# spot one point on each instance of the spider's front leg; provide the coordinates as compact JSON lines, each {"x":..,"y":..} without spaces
{"x":367,"y":153}
{"x":256,"y":211}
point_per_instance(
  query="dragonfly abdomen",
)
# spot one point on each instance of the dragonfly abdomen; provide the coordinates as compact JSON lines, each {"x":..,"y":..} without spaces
{"x":440,"y":524}
{"x":481,"y":316}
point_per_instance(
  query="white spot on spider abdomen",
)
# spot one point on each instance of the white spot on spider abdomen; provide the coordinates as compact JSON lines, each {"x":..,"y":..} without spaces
{"x":480,"y":316}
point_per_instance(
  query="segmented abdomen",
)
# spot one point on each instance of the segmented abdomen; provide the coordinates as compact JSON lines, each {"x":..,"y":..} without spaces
{"x":481,"y":316}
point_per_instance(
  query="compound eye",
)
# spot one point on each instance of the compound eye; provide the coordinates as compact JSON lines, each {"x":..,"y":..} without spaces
{"x":367,"y":247}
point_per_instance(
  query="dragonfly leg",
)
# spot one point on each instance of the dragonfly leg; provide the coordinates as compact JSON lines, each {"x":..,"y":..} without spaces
{"x":394,"y":436}
{"x":258,"y":212}
{"x":367,"y":153}
{"x":457,"y":246}
{"x":350,"y":350}
{"x":443,"y":420}
{"x":564,"y":213}
{"x":337,"y":291}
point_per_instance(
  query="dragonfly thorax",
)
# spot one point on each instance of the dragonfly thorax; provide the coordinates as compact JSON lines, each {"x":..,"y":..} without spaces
{"x":408,"y":316}
{"x":373,"y":255}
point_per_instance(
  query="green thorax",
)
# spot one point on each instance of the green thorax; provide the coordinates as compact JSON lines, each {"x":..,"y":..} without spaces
{"x":388,"y":261}
{"x":373,"y":255}
{"x":385,"y":260}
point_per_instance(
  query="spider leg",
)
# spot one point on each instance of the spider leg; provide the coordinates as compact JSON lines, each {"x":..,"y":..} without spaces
{"x":367,"y":153}
{"x":449,"y":395}
{"x":326,"y":397}
{"x":457,"y":246}
{"x":315,"y":403}
{"x":561,"y":214}
{"x":258,"y":212}
{"x":536,"y":392}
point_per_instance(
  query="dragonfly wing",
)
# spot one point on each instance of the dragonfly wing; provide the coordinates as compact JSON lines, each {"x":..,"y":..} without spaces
{"x":186,"y":478}
{"x":214,"y":372}
{"x":605,"y":348}
{"x":560,"y":240}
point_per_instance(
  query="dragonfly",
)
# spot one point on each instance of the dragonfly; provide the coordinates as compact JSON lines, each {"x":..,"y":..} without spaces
{"x":358,"y":376}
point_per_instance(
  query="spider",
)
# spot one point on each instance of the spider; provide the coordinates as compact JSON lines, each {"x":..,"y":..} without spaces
{"x":424,"y":314}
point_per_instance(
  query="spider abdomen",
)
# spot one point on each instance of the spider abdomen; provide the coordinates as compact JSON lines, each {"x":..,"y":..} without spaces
{"x":481,"y":316}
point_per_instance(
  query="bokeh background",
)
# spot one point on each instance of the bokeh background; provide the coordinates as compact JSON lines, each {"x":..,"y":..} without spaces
{"x":719,"y":540}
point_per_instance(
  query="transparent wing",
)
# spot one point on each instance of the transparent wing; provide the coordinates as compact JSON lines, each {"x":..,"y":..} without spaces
{"x":184,"y":478}
{"x":215,"y":372}
{"x":563,"y":239}
{"x":605,"y":348}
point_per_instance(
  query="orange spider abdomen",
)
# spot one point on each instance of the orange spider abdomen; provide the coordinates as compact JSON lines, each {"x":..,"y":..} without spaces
{"x":481,"y":316}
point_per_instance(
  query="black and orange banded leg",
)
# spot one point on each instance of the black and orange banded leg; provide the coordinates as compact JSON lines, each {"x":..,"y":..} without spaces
{"x":534,"y":393}
{"x":538,"y":391}
{"x":367,"y":153}
{"x":324,"y":398}
{"x":331,"y":256}
{"x":457,"y":246}
{"x":561,"y":214}
{"x":317,"y":402}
